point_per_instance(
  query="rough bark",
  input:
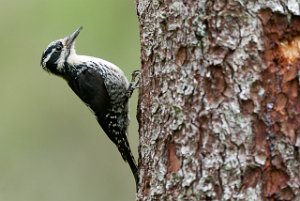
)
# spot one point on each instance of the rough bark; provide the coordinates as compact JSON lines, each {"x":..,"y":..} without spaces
{"x":219,"y":104}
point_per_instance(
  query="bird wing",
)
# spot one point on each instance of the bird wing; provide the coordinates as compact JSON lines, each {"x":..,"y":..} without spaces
{"x":89,"y":86}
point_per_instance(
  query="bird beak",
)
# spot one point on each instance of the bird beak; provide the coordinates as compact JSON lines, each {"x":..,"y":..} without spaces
{"x":70,"y":39}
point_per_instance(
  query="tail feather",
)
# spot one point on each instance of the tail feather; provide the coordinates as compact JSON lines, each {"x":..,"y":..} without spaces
{"x":128,"y":157}
{"x":133,"y":167}
{"x":116,"y":132}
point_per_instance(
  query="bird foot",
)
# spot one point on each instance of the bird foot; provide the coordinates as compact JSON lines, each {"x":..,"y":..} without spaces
{"x":134,"y":83}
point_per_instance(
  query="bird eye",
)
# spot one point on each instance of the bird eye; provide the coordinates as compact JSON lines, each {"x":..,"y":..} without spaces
{"x":58,"y":48}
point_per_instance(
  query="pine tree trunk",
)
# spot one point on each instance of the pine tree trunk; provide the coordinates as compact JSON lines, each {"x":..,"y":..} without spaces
{"x":219,"y":104}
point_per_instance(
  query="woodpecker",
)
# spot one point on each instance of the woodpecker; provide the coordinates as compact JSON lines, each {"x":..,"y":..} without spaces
{"x":101,"y":85}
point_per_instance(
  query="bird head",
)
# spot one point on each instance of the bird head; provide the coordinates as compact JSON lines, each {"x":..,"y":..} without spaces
{"x":57,"y":53}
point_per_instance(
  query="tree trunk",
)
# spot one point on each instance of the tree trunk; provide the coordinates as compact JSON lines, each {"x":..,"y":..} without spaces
{"x":219,"y":104}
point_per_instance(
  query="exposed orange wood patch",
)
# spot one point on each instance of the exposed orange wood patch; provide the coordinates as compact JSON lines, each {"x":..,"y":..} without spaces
{"x":181,"y":56}
{"x":173,"y":162}
{"x":276,"y":180}
{"x":290,"y":49}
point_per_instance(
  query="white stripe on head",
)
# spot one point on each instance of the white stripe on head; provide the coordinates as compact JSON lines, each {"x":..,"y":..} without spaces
{"x":47,"y":58}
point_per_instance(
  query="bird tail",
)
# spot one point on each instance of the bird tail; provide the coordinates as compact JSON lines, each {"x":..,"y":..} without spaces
{"x":133,"y":167}
{"x":128,"y":157}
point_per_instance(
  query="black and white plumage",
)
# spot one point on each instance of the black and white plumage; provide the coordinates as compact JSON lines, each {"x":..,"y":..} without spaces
{"x":101,"y":85}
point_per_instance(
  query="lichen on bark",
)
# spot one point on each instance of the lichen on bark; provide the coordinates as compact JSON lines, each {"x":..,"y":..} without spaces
{"x":218,"y":103}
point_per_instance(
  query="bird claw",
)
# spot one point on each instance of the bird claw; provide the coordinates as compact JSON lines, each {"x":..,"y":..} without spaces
{"x":134,"y":83}
{"x":134,"y":75}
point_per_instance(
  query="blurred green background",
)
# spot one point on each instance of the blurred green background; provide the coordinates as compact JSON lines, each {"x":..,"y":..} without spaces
{"x":51,"y":147}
